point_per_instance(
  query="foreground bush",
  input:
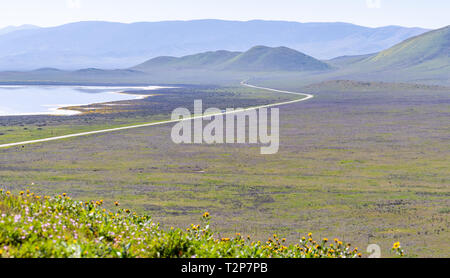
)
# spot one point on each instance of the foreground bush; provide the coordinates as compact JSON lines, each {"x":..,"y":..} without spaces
{"x":41,"y":226}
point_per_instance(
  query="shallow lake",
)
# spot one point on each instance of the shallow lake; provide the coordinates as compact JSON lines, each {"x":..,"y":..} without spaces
{"x":42,"y":100}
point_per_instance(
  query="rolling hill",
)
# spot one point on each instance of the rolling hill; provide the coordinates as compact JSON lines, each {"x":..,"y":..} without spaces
{"x":116,"y":45}
{"x":343,"y":61}
{"x":256,"y":59}
{"x":206,"y":60}
{"x":422,"y":59}
{"x":428,"y":51}
{"x":263,"y":58}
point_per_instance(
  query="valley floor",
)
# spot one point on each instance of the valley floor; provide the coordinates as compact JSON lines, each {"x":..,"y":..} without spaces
{"x":366,"y":167}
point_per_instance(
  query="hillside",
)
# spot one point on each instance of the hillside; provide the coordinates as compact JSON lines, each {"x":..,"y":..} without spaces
{"x":344,"y":61}
{"x":262,"y":58}
{"x":206,"y":60}
{"x":256,"y":59}
{"x":115,"y":45}
{"x":430,"y":50}
{"x":65,"y":228}
{"x":424,"y":59}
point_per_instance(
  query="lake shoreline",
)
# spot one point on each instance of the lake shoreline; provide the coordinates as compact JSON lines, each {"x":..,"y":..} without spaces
{"x":73,"y":110}
{"x":70,"y":109}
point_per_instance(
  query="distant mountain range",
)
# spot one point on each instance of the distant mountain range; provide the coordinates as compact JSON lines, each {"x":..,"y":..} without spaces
{"x":257,"y":59}
{"x":117,"y":45}
{"x":422,"y":59}
{"x":10,"y":29}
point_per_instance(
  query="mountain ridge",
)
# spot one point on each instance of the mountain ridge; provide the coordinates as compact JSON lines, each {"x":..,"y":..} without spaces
{"x":423,"y":59}
{"x":424,"y":48}
{"x":117,"y":45}
{"x":11,"y":28}
{"x":256,"y":59}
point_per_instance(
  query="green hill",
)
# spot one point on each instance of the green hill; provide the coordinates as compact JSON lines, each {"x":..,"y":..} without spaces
{"x":209,"y":60}
{"x":429,"y":51}
{"x":424,"y":59}
{"x":257,"y":59}
{"x":262,"y":58}
{"x":343,"y":61}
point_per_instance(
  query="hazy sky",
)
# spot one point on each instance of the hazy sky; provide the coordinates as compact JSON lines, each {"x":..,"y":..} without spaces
{"x":421,"y":13}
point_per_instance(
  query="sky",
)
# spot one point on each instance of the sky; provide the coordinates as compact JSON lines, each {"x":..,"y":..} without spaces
{"x":372,"y":13}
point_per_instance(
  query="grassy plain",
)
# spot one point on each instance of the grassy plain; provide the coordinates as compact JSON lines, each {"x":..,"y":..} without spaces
{"x":366,"y":167}
{"x":157,"y":107}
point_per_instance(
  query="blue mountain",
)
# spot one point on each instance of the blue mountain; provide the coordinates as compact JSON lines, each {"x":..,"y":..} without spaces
{"x":118,"y":45}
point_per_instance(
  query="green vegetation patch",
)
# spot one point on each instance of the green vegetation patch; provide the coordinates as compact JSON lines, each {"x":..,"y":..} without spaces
{"x":41,"y":226}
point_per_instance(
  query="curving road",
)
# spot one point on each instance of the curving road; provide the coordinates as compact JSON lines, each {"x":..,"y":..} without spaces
{"x":243,"y":83}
